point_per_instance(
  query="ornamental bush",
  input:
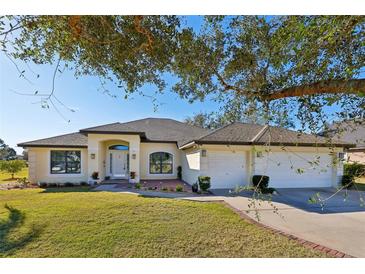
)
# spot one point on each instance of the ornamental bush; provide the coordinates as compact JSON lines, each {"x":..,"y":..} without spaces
{"x":347,"y":180}
{"x":179,"y":188}
{"x":204,"y":182}
{"x":179,"y":172}
{"x":260,"y":181}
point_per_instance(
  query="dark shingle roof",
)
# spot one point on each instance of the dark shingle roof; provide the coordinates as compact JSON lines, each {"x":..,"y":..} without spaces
{"x":348,"y":131}
{"x":168,"y":130}
{"x":150,"y":130}
{"x":241,"y":133}
{"x":153,"y":129}
{"x":233,"y":133}
{"x":68,"y":140}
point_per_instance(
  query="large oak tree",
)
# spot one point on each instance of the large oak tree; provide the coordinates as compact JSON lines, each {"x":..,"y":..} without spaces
{"x":284,"y":65}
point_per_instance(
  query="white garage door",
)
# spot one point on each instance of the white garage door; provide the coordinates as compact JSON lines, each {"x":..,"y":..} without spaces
{"x":290,"y":170}
{"x":226,"y":169}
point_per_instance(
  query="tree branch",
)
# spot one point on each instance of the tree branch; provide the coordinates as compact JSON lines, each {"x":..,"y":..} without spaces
{"x":351,"y":86}
{"x":225,"y":85}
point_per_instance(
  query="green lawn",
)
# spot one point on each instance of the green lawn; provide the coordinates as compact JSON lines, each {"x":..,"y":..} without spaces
{"x":6,"y":177}
{"x":81,"y":223}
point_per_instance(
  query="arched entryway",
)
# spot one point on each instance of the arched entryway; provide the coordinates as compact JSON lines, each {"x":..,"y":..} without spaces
{"x":117,"y":162}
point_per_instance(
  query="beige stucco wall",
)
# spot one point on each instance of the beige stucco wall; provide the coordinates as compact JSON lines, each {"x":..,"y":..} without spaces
{"x":147,"y":148}
{"x":190,"y":162}
{"x":40,"y":166}
{"x":97,"y":144}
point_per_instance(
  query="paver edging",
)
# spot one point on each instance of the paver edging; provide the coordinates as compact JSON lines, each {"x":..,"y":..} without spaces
{"x":309,"y":244}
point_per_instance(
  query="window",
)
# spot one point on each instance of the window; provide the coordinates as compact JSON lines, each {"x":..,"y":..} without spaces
{"x":259,"y":154}
{"x":118,"y":147}
{"x":63,"y":161}
{"x":341,"y":156}
{"x":160,"y":163}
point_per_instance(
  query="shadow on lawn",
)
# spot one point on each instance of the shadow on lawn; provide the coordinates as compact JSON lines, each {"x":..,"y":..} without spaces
{"x":15,"y":220}
{"x":66,"y":189}
{"x":11,"y":179}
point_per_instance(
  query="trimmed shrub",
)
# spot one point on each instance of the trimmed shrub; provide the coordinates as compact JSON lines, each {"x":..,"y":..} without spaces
{"x":204,"y":182}
{"x":42,"y":184}
{"x":68,"y":184}
{"x":194,"y":187}
{"x":179,"y":172}
{"x":347,"y":180}
{"x":137,"y":186}
{"x":95,"y":175}
{"x":179,"y":188}
{"x":260,"y":181}
{"x":355,"y":169}
{"x":132,"y":175}
{"x":23,"y":182}
{"x":164,"y":188}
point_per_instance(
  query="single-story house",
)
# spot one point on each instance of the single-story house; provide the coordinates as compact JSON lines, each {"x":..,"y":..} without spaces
{"x":154,"y":148}
{"x":352,"y":132}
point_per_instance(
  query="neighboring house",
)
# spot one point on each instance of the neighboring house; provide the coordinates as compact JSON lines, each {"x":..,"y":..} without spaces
{"x":153,"y":148}
{"x":351,"y":132}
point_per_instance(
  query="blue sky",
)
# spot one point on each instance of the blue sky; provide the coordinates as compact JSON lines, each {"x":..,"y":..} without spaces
{"x":21,"y":119}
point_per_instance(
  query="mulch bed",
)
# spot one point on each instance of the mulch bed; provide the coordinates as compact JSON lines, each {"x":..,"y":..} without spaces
{"x":15,"y":185}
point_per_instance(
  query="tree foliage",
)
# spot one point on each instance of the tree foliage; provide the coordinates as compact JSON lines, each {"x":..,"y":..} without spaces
{"x":6,"y":152}
{"x":12,"y":166}
{"x":297,"y":64}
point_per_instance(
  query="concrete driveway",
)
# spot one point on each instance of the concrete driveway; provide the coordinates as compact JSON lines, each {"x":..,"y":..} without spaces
{"x":340,"y":225}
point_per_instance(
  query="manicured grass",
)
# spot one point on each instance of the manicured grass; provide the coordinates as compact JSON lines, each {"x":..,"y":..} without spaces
{"x":81,"y":223}
{"x":6,"y":177}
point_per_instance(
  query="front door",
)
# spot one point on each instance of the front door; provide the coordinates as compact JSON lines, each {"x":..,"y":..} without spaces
{"x":118,"y":164}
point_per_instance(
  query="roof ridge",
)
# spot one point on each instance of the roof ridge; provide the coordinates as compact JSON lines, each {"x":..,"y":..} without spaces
{"x":260,"y":133}
{"x":299,"y":132}
{"x":164,"y":118}
{"x":186,"y":124}
{"x":88,"y":128}
{"x":213,"y":131}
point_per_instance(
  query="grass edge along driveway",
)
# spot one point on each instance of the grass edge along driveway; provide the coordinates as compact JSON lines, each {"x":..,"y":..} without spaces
{"x":76,"y":222}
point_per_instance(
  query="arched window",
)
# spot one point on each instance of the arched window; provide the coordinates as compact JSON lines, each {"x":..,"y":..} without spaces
{"x":118,"y":147}
{"x":161,"y":163}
